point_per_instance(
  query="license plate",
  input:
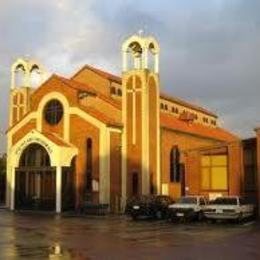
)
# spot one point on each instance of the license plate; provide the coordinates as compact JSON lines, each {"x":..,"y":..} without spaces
{"x":178,"y":214}
{"x":136,"y":207}
{"x":219,"y":211}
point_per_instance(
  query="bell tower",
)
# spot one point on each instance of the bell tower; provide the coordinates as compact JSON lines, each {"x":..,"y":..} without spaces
{"x":22,"y":87}
{"x":140,"y":104}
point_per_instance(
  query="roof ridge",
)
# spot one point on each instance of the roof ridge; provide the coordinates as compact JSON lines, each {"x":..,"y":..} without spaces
{"x":100,"y":72}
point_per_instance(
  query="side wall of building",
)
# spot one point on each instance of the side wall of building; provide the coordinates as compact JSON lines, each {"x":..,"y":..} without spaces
{"x":192,"y":148}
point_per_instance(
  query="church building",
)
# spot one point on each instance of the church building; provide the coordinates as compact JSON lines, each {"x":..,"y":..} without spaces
{"x":100,"y":138}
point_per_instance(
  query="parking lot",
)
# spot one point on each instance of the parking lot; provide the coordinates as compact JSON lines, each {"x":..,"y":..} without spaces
{"x":35,"y":236}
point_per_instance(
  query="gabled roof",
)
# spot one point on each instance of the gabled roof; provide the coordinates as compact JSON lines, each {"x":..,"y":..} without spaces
{"x":220,"y":134}
{"x":101,"y":73}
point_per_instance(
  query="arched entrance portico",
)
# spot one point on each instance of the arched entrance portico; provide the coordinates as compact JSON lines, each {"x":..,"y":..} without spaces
{"x":41,"y":173}
{"x":35,"y":180}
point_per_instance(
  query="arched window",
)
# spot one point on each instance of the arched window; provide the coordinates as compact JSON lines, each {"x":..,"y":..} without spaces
{"x":112,"y":90}
{"x":119,"y":92}
{"x":175,"y":175}
{"x":89,"y":165}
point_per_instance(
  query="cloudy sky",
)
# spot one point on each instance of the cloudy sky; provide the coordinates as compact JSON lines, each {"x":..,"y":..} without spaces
{"x":209,"y":49}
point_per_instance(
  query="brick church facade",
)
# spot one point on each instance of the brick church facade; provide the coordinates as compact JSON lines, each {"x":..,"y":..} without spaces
{"x":102,"y":138}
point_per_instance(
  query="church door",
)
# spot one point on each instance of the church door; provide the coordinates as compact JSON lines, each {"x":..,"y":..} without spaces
{"x":35,"y":183}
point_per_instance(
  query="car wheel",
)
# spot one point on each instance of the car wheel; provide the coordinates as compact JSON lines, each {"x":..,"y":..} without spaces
{"x":158,"y":214}
{"x":134,"y":217}
{"x":200,"y":216}
{"x":240,"y":218}
{"x":212,"y":221}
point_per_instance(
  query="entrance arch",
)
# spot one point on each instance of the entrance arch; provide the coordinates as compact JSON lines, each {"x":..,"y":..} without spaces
{"x":35,"y":180}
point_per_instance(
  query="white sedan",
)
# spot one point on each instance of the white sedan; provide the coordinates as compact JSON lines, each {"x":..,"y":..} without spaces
{"x":231,"y":207}
{"x":188,"y":208}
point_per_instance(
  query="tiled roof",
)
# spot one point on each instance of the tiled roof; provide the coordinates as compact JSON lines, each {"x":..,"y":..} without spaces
{"x":171,"y":122}
{"x":77,"y":85}
{"x":170,"y":98}
{"x":186,"y":104}
{"x":100,"y":72}
{"x":101,"y":116}
{"x":85,"y":87}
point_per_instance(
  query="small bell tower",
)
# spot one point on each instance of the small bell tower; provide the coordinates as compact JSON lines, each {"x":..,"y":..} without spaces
{"x":20,"y":91}
{"x":141,"y":134}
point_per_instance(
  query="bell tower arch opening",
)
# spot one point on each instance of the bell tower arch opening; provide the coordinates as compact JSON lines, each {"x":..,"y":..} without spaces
{"x":140,"y":53}
{"x":26,"y":75}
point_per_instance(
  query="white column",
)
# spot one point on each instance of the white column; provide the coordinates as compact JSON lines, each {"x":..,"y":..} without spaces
{"x":156,"y":63}
{"x":58,"y":189}
{"x":12,"y":206}
{"x":26,"y":79}
{"x":125,"y":61}
{"x":104,"y":166}
{"x":137,"y":62}
{"x":12,"y":79}
{"x":145,"y":59}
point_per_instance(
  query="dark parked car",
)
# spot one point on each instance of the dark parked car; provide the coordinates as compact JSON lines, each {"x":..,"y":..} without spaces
{"x":148,"y":206}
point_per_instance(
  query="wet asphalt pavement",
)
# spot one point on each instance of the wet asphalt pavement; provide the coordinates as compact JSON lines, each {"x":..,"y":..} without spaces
{"x":39,"y":236}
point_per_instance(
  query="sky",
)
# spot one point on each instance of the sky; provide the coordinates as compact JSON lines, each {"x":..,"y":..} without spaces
{"x":209,"y":49}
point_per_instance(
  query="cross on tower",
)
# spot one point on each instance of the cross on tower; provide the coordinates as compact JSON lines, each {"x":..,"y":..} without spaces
{"x":133,"y":91}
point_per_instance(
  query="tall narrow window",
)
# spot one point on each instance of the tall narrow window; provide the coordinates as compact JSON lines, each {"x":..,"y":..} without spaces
{"x":89,"y":165}
{"x":175,"y":165}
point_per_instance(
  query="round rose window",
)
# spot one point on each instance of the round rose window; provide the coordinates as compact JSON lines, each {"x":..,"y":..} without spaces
{"x":53,"y":112}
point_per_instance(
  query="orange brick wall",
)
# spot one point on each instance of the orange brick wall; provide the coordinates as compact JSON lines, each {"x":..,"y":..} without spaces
{"x":79,"y":134}
{"x":115,"y":171}
{"x":235,"y":168}
{"x":189,"y":146}
{"x":93,"y":80}
{"x":134,"y":152}
{"x":23,"y":131}
{"x":153,"y":111}
{"x":54,"y":85}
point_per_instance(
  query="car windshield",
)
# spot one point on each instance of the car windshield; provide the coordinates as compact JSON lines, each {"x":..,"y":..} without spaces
{"x":188,"y":200}
{"x":224,"y":201}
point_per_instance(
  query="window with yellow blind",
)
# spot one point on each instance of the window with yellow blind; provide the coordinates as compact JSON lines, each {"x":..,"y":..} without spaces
{"x":214,"y":172}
